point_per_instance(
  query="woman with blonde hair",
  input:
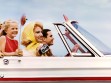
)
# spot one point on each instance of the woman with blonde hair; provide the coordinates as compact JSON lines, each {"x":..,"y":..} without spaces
{"x":32,"y":38}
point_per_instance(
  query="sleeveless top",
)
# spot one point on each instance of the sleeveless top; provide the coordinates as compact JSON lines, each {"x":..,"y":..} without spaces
{"x":11,"y":45}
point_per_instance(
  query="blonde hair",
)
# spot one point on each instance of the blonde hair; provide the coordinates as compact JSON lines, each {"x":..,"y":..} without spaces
{"x":7,"y":24}
{"x":38,"y":24}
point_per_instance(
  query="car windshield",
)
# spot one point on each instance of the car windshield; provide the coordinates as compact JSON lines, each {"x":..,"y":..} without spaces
{"x":96,"y":42}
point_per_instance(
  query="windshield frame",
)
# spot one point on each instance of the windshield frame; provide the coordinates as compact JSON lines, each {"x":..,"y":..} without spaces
{"x":95,"y":42}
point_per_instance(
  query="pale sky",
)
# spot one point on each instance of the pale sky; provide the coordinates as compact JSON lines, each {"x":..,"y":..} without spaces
{"x":92,"y":15}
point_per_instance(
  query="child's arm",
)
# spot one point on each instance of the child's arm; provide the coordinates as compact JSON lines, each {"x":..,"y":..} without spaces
{"x":2,"y":47}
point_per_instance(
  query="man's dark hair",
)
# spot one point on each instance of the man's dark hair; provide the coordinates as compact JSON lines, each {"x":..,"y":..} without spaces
{"x":45,"y":32}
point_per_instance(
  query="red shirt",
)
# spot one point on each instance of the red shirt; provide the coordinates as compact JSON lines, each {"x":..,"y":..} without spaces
{"x":11,"y":45}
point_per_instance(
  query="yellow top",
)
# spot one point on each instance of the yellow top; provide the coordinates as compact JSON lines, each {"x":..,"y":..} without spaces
{"x":28,"y":35}
{"x":29,"y":41}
